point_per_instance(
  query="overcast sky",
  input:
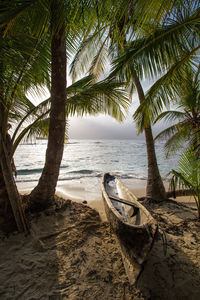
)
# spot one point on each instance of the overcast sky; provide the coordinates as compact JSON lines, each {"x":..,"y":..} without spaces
{"x":104,"y":127}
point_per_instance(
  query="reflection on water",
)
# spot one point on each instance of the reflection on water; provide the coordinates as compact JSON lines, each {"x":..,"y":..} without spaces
{"x":91,"y":158}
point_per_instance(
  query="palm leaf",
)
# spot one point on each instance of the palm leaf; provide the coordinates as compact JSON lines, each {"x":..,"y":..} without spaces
{"x":170,"y":116}
{"x":106,"y":97}
{"x":176,"y":141}
{"x":155,"y":53}
{"x":163,"y":91}
{"x":188,"y":175}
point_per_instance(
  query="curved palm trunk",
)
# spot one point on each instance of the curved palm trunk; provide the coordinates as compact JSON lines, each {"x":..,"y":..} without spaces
{"x":8,"y":186}
{"x":11,"y":188}
{"x":155,"y":188}
{"x":43,"y":195}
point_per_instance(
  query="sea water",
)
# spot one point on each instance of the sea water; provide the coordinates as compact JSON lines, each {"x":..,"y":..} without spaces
{"x":85,"y":161}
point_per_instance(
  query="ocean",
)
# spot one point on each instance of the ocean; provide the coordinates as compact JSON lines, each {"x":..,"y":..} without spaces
{"x":85,"y":161}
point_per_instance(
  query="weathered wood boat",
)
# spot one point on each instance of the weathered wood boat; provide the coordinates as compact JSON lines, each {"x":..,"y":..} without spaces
{"x":134,"y":226}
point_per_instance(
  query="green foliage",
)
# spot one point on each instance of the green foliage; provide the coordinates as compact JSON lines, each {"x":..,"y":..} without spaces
{"x":83,"y":97}
{"x":186,"y":118}
{"x":26,"y":66}
{"x":164,"y":50}
{"x":187,"y":175}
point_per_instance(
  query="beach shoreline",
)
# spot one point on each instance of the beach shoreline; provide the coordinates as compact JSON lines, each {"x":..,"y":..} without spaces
{"x":79,"y":192}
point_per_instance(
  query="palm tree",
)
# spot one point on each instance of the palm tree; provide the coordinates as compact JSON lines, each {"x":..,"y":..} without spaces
{"x":58,"y":20}
{"x":54,"y":13}
{"x":166,"y":49}
{"x":186,"y":116}
{"x":112,"y":39}
{"x":18,"y":69}
{"x":165,"y":52}
{"x":84,"y":97}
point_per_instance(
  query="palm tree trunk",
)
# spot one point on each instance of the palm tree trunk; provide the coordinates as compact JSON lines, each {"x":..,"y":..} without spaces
{"x":13,"y":195}
{"x":43,"y":195}
{"x":155,"y":188}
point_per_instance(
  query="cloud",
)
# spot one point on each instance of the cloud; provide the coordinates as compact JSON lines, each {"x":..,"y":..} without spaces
{"x":101,"y":127}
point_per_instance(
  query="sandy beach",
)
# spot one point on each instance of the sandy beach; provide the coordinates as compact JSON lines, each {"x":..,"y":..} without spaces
{"x":79,"y":192}
{"x":72,"y":253}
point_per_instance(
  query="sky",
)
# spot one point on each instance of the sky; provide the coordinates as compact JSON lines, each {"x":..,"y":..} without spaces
{"x":101,"y":126}
{"x":105,"y":127}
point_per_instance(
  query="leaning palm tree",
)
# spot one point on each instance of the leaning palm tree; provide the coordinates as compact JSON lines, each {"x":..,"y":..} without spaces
{"x":162,"y":49}
{"x":109,"y":42}
{"x":19,"y":71}
{"x":84,"y":97}
{"x":54,"y":21}
{"x":186,"y":116}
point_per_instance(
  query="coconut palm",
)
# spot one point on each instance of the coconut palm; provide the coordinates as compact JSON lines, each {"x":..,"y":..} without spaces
{"x":55,"y":22}
{"x":188,"y":175}
{"x":166,"y":52}
{"x":84,"y":97}
{"x":186,"y":117}
{"x":165,"y":48}
{"x":112,"y":39}
{"x":59,"y":20}
{"x":19,"y":71}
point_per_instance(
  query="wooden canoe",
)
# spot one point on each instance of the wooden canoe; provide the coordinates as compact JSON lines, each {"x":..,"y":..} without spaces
{"x":132,"y":223}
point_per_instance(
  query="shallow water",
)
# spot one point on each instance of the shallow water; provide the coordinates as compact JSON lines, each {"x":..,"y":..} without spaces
{"x":92,"y":158}
{"x":85,"y":161}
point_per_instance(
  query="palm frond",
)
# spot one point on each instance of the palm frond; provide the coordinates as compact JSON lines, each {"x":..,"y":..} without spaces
{"x":154,"y":54}
{"x":80,"y":85}
{"x":163,"y":91}
{"x":100,"y":62}
{"x":168,"y":132}
{"x":85,"y":54}
{"x":107,"y":97}
{"x":176,"y":141}
{"x":170,"y":116}
{"x":188,"y":174}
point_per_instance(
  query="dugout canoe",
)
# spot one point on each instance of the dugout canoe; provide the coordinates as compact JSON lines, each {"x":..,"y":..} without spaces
{"x":132,"y":223}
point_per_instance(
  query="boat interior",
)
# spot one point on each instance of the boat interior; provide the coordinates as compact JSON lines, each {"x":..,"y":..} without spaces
{"x":129,"y":211}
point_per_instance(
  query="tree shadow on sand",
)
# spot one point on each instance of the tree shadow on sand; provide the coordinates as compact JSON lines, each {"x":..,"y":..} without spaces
{"x":70,"y":254}
{"x":176,"y":273}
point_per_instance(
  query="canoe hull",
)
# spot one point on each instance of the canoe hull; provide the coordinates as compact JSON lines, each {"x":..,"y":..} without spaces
{"x":135,"y":241}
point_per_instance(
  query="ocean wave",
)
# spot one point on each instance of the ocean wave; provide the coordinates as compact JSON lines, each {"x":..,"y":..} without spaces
{"x":84,"y":174}
{"x":77,"y":176}
{"x":29,"y":171}
{"x":97,"y":174}
{"x":34,"y":171}
{"x":84,"y":171}
{"x":26,"y":180}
